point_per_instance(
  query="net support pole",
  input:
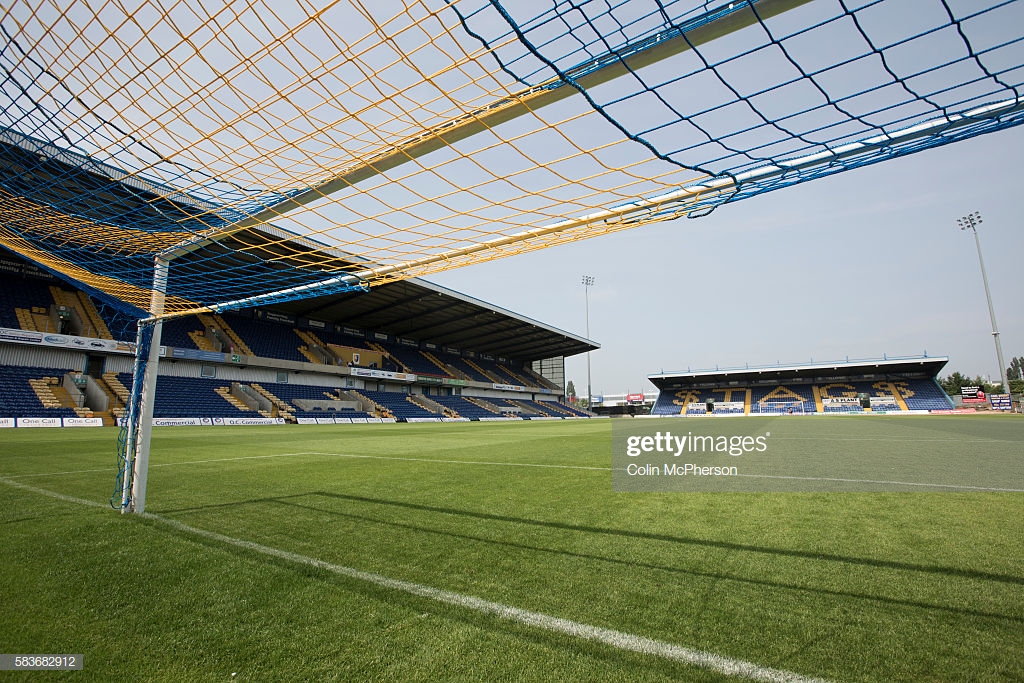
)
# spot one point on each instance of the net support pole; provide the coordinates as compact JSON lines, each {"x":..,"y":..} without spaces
{"x":143,"y":427}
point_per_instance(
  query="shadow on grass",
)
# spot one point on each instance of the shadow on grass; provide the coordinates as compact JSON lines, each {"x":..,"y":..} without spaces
{"x":636,"y":534}
{"x":641,"y":664}
{"x":708,"y":543}
{"x":658,"y":567}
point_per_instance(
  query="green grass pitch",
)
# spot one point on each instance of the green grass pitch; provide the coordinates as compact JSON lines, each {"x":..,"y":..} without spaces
{"x":838,"y":586}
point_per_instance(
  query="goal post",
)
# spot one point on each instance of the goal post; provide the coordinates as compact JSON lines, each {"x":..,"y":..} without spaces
{"x":781,"y":408}
{"x":137,"y":427}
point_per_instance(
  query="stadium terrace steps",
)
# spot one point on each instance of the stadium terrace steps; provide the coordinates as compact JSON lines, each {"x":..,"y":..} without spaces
{"x":489,"y":377}
{"x":79,"y":302}
{"x":218,"y":325}
{"x":397,"y":404}
{"x":444,"y":367}
{"x":114,"y":384}
{"x":463,"y":406}
{"x":314,"y":349}
{"x":240,"y":345}
{"x":485,"y":404}
{"x":185,"y":333}
{"x":417,"y":362}
{"x":538,"y":408}
{"x":114,"y":403}
{"x":225,"y":392}
{"x":201,"y":340}
{"x":95,"y":319}
{"x":386,"y":354}
{"x":431,"y":405}
{"x":562,"y":408}
{"x":191,"y":397}
{"x":26,"y":320}
{"x":108,"y":417}
{"x":44,"y":390}
{"x":539,"y":379}
{"x":310,"y":356}
{"x":18,"y":395}
{"x":521,"y":380}
{"x":505,"y":404}
{"x":379,"y":408}
{"x":66,"y":400}
{"x":283,"y":408}
{"x":343,"y":339}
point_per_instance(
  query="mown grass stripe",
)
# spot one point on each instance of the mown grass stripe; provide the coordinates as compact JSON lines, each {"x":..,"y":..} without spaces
{"x":623,"y":641}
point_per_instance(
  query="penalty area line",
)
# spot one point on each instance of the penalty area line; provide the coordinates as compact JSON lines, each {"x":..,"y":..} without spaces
{"x":324,"y":454}
{"x":166,"y":464}
{"x":964,"y":487}
{"x":52,"y":494}
{"x":620,"y":640}
{"x":461,"y":462}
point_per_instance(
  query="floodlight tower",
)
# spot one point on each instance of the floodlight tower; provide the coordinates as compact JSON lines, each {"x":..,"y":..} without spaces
{"x":971,"y":221}
{"x":588,"y":282}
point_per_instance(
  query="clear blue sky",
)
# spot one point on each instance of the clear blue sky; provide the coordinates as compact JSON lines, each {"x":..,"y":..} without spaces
{"x":864,"y":263}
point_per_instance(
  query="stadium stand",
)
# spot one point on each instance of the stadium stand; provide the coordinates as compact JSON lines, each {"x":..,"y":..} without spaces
{"x":782,"y":398}
{"x":464,"y":407}
{"x":191,"y":397}
{"x":560,"y":409}
{"x":529,"y":408}
{"x":928,"y":395}
{"x":858,"y":387}
{"x":25,"y":304}
{"x":398,"y":404}
{"x":413,"y":361}
{"x":500,"y":375}
{"x":183,"y":333}
{"x":26,"y":392}
{"x":289,"y":393}
{"x":467,"y":367}
{"x":342,"y":339}
{"x":267,"y":340}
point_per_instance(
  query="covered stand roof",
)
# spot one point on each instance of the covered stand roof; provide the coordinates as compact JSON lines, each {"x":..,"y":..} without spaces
{"x":421,"y":310}
{"x":424,"y":311}
{"x":928,"y":366}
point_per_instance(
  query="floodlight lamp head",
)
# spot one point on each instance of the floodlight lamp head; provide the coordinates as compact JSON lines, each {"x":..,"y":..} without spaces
{"x":971,"y":220}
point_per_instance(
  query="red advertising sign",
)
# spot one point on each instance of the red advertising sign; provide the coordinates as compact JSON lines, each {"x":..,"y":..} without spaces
{"x":634,"y":398}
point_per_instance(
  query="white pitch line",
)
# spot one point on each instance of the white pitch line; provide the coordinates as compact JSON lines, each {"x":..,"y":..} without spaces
{"x":611,"y":469}
{"x":963,"y":487}
{"x":894,"y":439}
{"x":877,"y":481}
{"x":320,"y":453}
{"x":462,"y":462}
{"x":728,"y":666}
{"x":161,"y":464}
{"x":52,"y":494}
{"x":57,"y":474}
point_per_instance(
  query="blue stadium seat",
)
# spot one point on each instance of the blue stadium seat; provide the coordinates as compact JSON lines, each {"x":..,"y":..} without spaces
{"x":190,"y":397}
{"x":18,"y":399}
{"x":463,"y":407}
{"x":397,"y":404}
